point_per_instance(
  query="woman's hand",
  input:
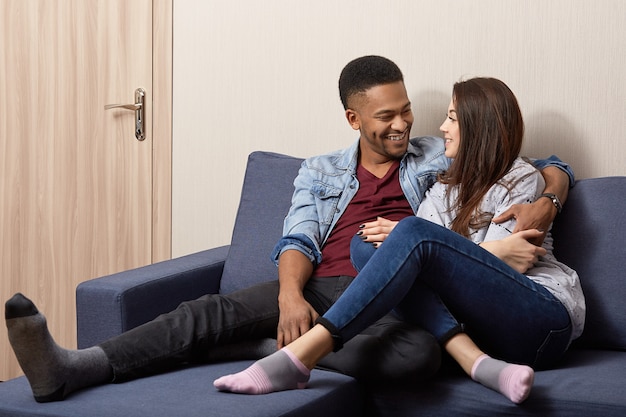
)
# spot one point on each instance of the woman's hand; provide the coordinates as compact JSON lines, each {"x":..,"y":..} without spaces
{"x":516,"y":250}
{"x":377,"y":231}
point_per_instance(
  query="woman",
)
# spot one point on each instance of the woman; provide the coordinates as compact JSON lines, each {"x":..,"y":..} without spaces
{"x":441,"y":269}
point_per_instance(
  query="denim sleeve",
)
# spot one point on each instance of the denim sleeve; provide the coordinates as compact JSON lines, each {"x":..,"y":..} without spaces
{"x":554,"y":161}
{"x":300,"y":242}
{"x":301,"y":226}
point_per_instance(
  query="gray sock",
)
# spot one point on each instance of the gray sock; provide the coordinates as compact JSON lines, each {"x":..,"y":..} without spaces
{"x":53,"y":372}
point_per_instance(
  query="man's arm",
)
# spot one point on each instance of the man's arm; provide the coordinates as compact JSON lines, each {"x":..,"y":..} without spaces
{"x":557,"y":183}
{"x":540,"y":214}
{"x":296,"y":314}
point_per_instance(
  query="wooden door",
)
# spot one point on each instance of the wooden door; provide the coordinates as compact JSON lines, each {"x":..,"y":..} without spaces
{"x":81,"y":196}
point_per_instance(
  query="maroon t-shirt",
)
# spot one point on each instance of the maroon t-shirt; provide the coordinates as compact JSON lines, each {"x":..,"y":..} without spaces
{"x":376,"y":197}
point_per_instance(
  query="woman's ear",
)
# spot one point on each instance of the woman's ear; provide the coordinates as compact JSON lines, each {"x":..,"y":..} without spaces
{"x":353,"y":119}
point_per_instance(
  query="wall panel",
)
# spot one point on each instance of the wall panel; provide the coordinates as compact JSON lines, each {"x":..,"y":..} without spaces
{"x":262,"y":75}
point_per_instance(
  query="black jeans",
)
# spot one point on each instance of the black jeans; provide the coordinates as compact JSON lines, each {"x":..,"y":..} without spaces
{"x":388,"y":350}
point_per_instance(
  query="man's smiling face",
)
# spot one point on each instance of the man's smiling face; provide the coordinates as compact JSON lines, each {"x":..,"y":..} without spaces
{"x":384,"y":117}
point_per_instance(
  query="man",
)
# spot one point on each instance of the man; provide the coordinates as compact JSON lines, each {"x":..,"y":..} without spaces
{"x":380,"y":179}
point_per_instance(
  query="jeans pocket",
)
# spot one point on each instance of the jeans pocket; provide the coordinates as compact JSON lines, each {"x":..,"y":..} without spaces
{"x":553,"y":348}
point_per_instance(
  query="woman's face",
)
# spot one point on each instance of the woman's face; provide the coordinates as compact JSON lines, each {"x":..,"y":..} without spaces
{"x":451,"y":132}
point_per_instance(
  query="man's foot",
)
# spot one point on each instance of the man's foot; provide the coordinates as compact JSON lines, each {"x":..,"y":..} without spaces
{"x":278,"y":372}
{"x":53,"y":372}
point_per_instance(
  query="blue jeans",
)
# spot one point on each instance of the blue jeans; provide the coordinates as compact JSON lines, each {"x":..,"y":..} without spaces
{"x":447,"y":284}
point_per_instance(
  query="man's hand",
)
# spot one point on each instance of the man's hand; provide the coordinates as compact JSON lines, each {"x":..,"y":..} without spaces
{"x":538,"y":215}
{"x":377,"y":231}
{"x":296,"y":318}
{"x":516,"y":250}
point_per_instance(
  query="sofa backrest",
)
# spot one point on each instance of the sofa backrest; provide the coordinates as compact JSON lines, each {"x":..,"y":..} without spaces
{"x":589,"y":236}
{"x":265,"y":201}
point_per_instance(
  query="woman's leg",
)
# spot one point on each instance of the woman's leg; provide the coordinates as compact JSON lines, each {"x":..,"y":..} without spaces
{"x":477,"y":292}
{"x":360,"y":252}
{"x":488,"y":296}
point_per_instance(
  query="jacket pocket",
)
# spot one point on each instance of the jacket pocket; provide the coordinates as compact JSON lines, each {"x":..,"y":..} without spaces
{"x":327,"y":199}
{"x":426,"y":180}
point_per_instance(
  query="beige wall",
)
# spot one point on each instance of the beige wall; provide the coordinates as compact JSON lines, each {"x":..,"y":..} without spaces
{"x":262,"y":75}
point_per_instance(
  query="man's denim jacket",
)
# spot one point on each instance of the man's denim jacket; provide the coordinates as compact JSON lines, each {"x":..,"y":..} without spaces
{"x":326,"y":184}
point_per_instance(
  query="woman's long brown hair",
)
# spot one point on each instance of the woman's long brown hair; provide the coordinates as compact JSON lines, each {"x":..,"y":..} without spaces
{"x":491,"y":131}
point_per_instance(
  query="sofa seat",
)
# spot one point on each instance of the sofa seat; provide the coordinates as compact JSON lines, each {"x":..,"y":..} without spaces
{"x":190,"y":393}
{"x":588,"y":383}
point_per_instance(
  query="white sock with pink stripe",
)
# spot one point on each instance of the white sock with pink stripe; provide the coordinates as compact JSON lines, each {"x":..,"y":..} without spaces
{"x":511,"y":380}
{"x":278,"y":372}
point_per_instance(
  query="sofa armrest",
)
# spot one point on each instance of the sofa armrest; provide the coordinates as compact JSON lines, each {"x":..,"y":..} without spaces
{"x":113,"y":304}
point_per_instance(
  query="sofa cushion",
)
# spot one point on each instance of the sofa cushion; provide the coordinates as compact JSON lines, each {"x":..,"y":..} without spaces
{"x":265,"y":201}
{"x":588,"y":383}
{"x":189,"y":392}
{"x":589,"y":236}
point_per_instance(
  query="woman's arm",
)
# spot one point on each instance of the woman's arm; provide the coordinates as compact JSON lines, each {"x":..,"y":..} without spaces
{"x":516,"y":250}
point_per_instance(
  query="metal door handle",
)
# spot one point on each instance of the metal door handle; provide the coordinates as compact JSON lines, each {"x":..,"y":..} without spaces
{"x":138,"y":107}
{"x":123,"y":106}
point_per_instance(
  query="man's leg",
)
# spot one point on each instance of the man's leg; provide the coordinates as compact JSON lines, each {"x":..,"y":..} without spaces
{"x":187,"y":334}
{"x":182,"y":336}
{"x":53,"y":372}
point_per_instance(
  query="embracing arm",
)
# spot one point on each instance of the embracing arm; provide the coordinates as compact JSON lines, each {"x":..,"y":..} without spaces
{"x":540,"y":214}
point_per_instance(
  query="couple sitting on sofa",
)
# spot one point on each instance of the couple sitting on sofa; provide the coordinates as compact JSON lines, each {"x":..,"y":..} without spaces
{"x":436,"y":278}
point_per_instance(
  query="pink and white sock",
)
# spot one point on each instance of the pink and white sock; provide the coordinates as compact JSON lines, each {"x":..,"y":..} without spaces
{"x":511,"y":380}
{"x":277,"y":372}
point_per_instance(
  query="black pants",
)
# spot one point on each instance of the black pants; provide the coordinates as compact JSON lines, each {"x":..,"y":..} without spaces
{"x":389,"y":349}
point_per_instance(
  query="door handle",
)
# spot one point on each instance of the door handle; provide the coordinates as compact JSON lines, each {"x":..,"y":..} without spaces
{"x":138,"y":107}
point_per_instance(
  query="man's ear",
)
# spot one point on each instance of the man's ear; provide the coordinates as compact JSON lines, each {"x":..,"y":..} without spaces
{"x":353,"y":119}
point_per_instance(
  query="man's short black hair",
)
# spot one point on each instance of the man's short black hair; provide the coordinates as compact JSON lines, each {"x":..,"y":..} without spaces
{"x":363,"y":73}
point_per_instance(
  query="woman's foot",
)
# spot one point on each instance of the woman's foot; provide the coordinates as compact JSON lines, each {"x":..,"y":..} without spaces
{"x":511,"y":380}
{"x":278,"y":372}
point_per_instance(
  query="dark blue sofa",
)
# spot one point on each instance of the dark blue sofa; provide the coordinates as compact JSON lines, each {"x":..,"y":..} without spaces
{"x":590,"y":382}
